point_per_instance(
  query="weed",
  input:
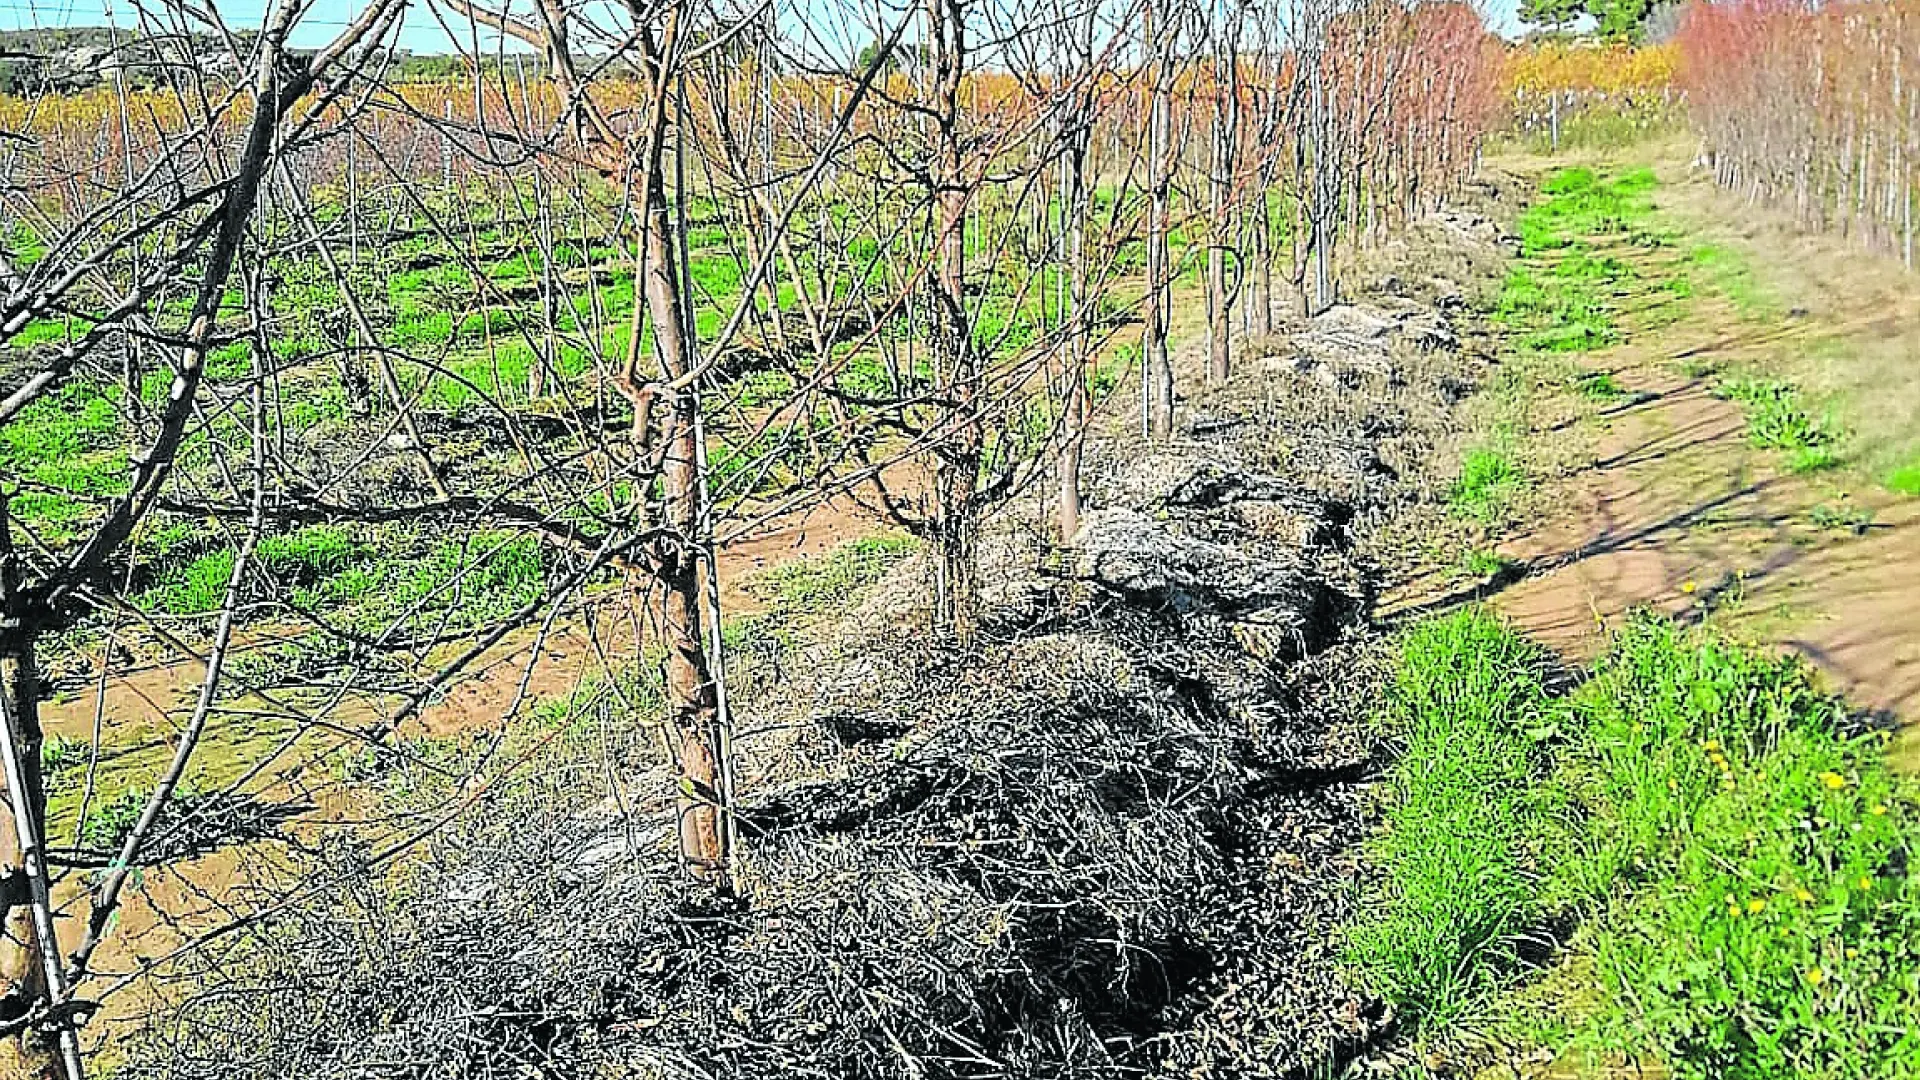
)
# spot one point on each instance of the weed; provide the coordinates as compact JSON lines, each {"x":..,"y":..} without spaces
{"x":109,"y":820}
{"x":1737,"y":859}
{"x":42,"y":331}
{"x":198,"y":588}
{"x":307,"y":555}
{"x":1483,"y":563}
{"x":755,"y":636}
{"x":1854,"y":519}
{"x":1598,"y":385}
{"x":1488,"y":482}
{"x":425,"y":331}
{"x":1745,"y":863}
{"x":762,"y":388}
{"x":1777,"y":421}
{"x":638,"y":690}
{"x":865,"y":375}
{"x":59,"y":753}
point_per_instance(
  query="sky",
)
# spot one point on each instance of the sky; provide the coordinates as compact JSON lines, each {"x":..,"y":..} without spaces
{"x":421,"y":34}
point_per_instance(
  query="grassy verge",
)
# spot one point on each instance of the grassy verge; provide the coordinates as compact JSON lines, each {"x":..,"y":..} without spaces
{"x":1462,"y":844}
{"x":1734,"y":856}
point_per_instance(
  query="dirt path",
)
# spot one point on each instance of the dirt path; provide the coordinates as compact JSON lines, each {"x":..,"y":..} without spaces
{"x":1678,"y":511}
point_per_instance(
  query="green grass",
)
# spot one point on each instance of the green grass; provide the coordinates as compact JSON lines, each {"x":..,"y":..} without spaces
{"x":1563,"y":295}
{"x":638,"y":691}
{"x":110,"y":819}
{"x":1553,"y":315}
{"x":198,"y":588}
{"x":1744,"y":866}
{"x":1730,"y":275}
{"x":1464,"y":833}
{"x":1598,"y":385}
{"x":1776,"y":420}
{"x":67,"y":446}
{"x":1580,"y":203}
{"x":1483,"y":563}
{"x":1734,"y":854}
{"x":43,"y":331}
{"x":369,"y":578}
{"x":1854,"y":519}
{"x":826,"y":582}
{"x":1905,"y":479}
{"x":1489,"y":481}
{"x":60,"y":754}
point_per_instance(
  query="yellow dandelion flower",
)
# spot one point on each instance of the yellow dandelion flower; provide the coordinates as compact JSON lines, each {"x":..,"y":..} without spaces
{"x":1815,"y":977}
{"x":1803,"y":896}
{"x":1689,"y":586}
{"x":1755,"y":907}
{"x":1878,"y":809}
{"x":1853,"y":954}
{"x":1710,"y":745}
{"x":1866,"y":884}
{"x":1833,"y":780}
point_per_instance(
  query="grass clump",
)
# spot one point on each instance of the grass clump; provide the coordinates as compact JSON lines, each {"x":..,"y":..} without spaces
{"x":1734,"y":853}
{"x":196,"y":588}
{"x":1463,"y":838}
{"x":60,"y":754}
{"x":1776,"y":420}
{"x":1854,"y":519}
{"x":1483,"y":563}
{"x":1488,"y":483}
{"x":1905,"y":480}
{"x":1598,"y":385}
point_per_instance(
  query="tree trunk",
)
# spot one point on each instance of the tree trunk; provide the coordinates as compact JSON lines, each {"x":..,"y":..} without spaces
{"x":23,"y":980}
{"x":693,"y":707}
{"x":1220,"y":175}
{"x":1073,"y":424}
{"x":956,"y":475}
{"x":1157,"y":365}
